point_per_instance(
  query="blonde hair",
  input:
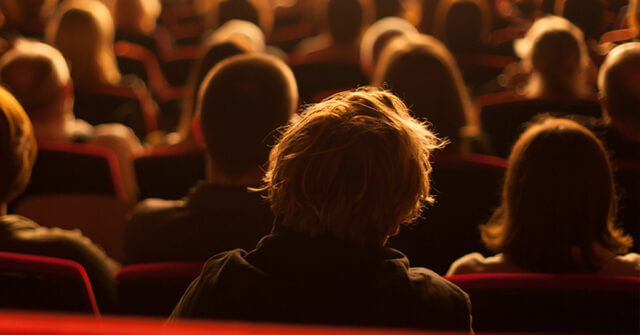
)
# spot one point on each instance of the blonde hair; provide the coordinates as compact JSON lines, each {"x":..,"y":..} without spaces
{"x":83,"y":31}
{"x":354,"y":167}
{"x":137,"y":16}
{"x":555,"y":53}
{"x":17,"y":147}
{"x":558,"y":195}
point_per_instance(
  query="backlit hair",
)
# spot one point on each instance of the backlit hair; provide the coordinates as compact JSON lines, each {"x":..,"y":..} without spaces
{"x":354,"y":167}
{"x":137,"y":16}
{"x":422,"y":72}
{"x":37,"y":75}
{"x":555,"y":53}
{"x":242,"y":102}
{"x":558,"y":196}
{"x":619,"y":86}
{"x":83,"y":32}
{"x":378,"y":36}
{"x":17,"y":147}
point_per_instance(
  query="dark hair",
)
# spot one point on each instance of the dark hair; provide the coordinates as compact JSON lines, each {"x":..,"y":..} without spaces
{"x":558,"y":195}
{"x":242,"y":101}
{"x":588,"y":15}
{"x":463,"y":25}
{"x":345,"y":19}
{"x":385,"y":8}
{"x":216,"y":53}
{"x":258,"y":12}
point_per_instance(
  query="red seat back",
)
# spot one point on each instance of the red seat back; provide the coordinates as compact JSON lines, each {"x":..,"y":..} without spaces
{"x":552,"y":302}
{"x":154,"y":288}
{"x":38,"y":282}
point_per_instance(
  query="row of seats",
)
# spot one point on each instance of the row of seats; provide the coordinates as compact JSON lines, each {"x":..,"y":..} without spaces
{"x":501,"y":302}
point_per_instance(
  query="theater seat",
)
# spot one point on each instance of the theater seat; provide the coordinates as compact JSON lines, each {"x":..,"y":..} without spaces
{"x":44,"y":283}
{"x":133,"y":107}
{"x":553,"y":303}
{"x":154,"y":289}
{"x":326,"y":71}
{"x":169,"y":174}
{"x":72,"y":168}
{"x":467,"y":190}
{"x":503,"y":115}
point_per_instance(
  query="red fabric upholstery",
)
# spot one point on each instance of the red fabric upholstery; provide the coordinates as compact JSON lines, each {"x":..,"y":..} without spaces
{"x":154,"y":288}
{"x":21,"y":324}
{"x":553,"y":302}
{"x":148,"y":59}
{"x":49,"y":267}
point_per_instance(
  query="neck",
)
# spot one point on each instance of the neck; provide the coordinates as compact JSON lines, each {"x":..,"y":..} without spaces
{"x":216,"y":177}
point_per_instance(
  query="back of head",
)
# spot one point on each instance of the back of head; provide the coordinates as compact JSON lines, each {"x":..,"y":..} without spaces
{"x":555,"y":52}
{"x":386,"y":8}
{"x":83,"y":31}
{"x":378,"y":36}
{"x":588,"y":15}
{"x":258,"y":12}
{"x":558,"y":201}
{"x":355,"y":167}
{"x":36,"y":9}
{"x":345,"y":19}
{"x":462,"y":25}
{"x":37,"y":75}
{"x":137,"y":16}
{"x":619,"y":84}
{"x":423,"y":73}
{"x":242,"y":102}
{"x":17,"y":147}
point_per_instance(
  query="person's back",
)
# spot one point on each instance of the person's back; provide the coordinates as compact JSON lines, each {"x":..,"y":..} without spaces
{"x":241,"y":103}
{"x":21,"y":235}
{"x":340,"y":181}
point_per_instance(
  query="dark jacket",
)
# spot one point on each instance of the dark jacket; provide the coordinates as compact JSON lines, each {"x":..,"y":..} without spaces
{"x":293,"y":278}
{"x":21,"y":235}
{"x":211,"y":219}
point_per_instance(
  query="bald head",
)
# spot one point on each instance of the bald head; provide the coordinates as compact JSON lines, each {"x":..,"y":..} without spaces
{"x":619,"y":84}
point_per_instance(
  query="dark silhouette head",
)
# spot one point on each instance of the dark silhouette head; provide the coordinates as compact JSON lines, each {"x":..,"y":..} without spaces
{"x":558,"y":201}
{"x":345,"y":19}
{"x":242,"y":103}
{"x":258,"y":12}
{"x":385,"y":8}
{"x":588,"y":15}
{"x":463,"y":25}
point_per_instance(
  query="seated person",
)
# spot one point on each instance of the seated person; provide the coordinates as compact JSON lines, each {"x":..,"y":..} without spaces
{"x":20,"y":235}
{"x":340,"y":182}
{"x":377,"y":37}
{"x":241,"y":104}
{"x":619,"y":85}
{"x":342,"y":22}
{"x":555,"y":62}
{"x":27,"y":17}
{"x":421,"y":70}
{"x":558,"y":209}
{"x":472,"y":36}
{"x":38,"y":76}
{"x":135,"y":22}
{"x":258,"y":12}
{"x":386,"y":8}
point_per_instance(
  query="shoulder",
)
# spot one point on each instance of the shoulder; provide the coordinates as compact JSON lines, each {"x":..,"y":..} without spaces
{"x":471,"y":263}
{"x":155,"y":211}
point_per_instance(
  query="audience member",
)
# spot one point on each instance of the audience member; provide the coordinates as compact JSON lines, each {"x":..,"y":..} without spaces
{"x":378,"y":36}
{"x":386,"y":8}
{"x":38,"y":76}
{"x":422,"y":72}
{"x":473,"y":35}
{"x":340,"y":182}
{"x":427,"y":15}
{"x":27,"y":17}
{"x":21,"y":235}
{"x":135,"y":22}
{"x":588,"y":15}
{"x":258,"y":12}
{"x":558,"y":209}
{"x":242,"y":102}
{"x":342,"y":22}
{"x":619,"y":86}
{"x":555,"y":57}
